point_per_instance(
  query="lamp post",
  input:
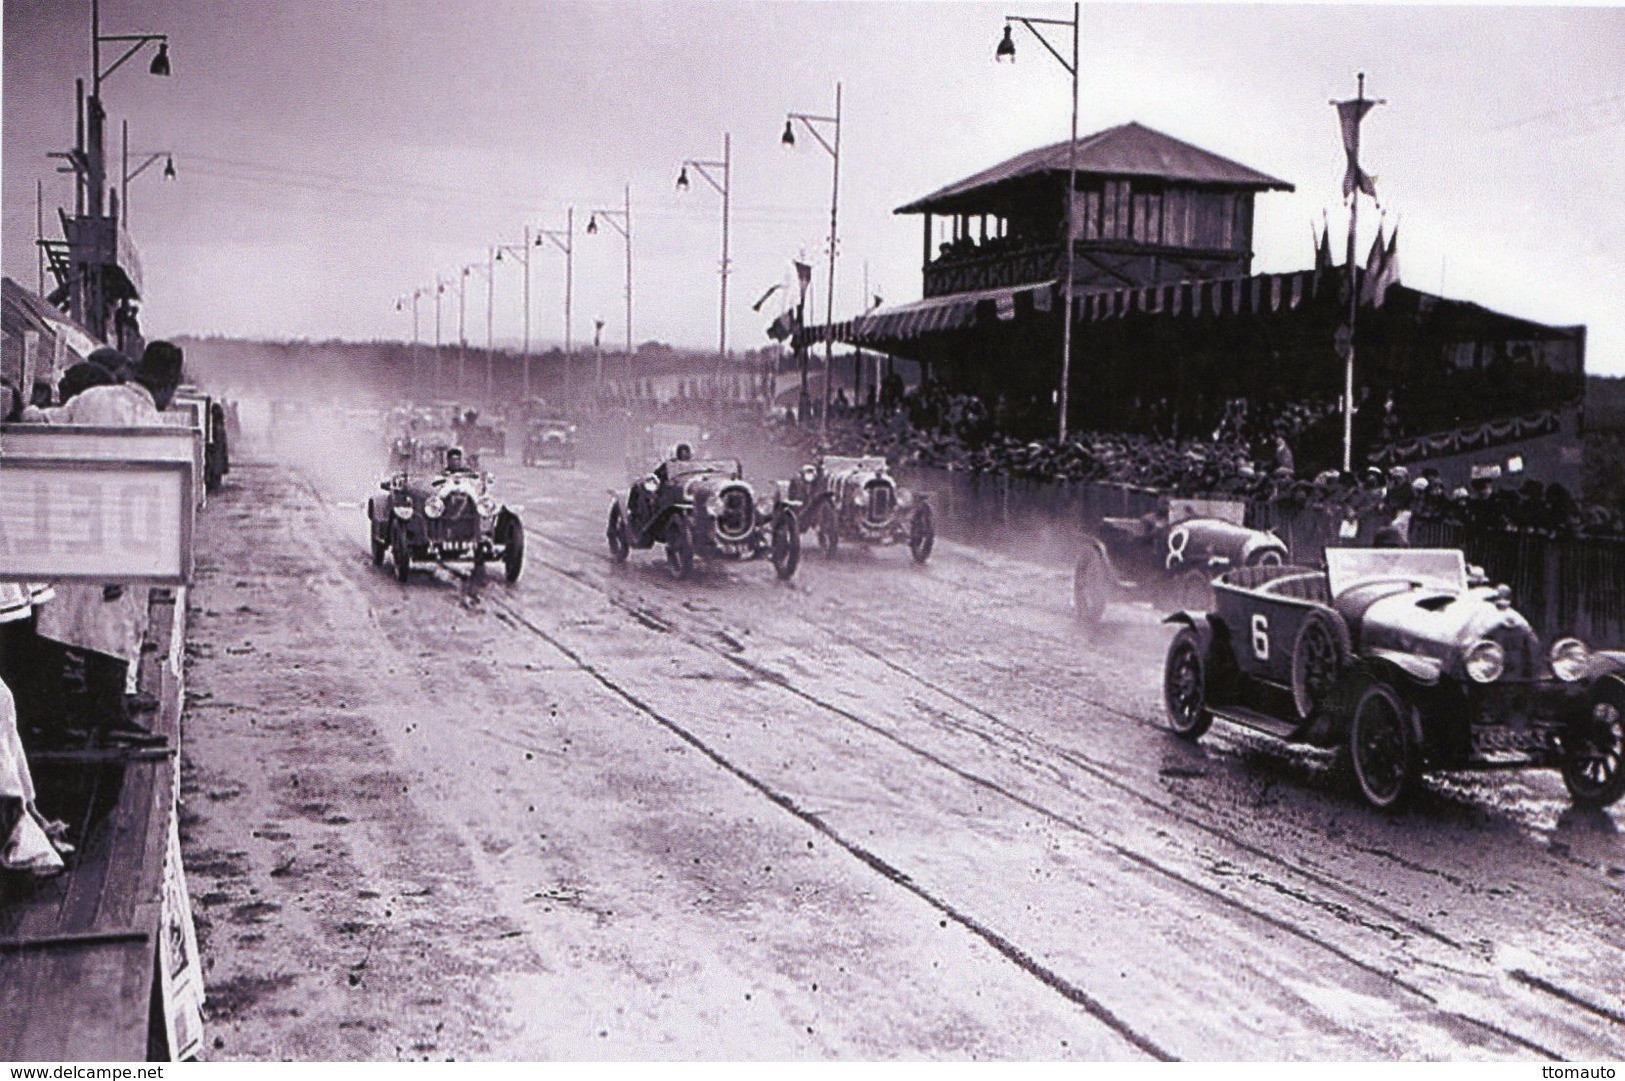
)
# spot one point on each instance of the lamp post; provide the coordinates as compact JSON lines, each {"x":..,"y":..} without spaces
{"x":439,"y":291}
{"x":127,"y":174}
{"x":400,"y":305}
{"x":87,"y":301}
{"x":564,"y":240}
{"x":724,"y":189}
{"x":522,"y":252}
{"x":834,"y":148}
{"x":598,"y":354}
{"x":622,"y":221}
{"x":1007,"y":51}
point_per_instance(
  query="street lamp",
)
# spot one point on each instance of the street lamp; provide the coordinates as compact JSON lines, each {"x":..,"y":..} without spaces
{"x":127,"y":174}
{"x":439,"y":291}
{"x":1006,"y":51}
{"x":834,"y":149}
{"x":522,"y":252}
{"x":400,"y":305}
{"x":564,"y":240}
{"x":723,"y":189}
{"x":622,"y":221}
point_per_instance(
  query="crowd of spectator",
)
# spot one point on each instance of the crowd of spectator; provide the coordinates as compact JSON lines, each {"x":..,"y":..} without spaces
{"x":1247,"y":456}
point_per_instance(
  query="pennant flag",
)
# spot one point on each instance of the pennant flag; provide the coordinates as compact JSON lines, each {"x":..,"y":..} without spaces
{"x":1349,"y":115}
{"x":1323,"y":248}
{"x":1385,"y":273}
{"x":756,"y":307}
{"x":783,"y":327}
{"x":804,"y":272}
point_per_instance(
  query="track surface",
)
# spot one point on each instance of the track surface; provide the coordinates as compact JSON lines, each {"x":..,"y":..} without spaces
{"x":885,"y":811}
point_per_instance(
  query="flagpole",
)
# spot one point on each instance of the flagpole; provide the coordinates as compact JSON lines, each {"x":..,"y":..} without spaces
{"x":1354,"y":292}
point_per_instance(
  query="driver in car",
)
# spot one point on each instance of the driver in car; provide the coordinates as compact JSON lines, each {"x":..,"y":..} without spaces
{"x":454,"y":463}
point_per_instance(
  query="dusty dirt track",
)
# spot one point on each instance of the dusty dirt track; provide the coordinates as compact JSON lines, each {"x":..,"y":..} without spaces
{"x":884,"y":812}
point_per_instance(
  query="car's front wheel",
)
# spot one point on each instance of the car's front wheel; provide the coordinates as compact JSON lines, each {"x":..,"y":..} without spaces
{"x":1594,"y":749}
{"x":1184,"y":686}
{"x":1382,"y":746}
{"x":513,"y":551}
{"x":786,"y":550}
{"x":922,"y":534}
{"x":400,"y":552}
{"x":1089,"y":589}
{"x":380,"y":544}
{"x":679,"y":547}
{"x":619,"y":543}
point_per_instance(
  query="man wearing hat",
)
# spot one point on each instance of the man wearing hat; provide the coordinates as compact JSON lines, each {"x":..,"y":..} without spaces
{"x":106,"y":622}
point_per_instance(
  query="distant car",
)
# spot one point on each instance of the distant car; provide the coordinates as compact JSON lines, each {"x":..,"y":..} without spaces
{"x":858,"y":500}
{"x":477,"y":435}
{"x":450,"y":516}
{"x":1169,"y":556}
{"x":1400,"y":656}
{"x":704,"y":508}
{"x":551,"y":439}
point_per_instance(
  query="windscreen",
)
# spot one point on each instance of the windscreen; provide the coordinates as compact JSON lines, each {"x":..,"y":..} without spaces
{"x":1443,"y":568}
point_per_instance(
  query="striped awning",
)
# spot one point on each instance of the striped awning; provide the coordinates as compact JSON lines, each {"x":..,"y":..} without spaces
{"x":906,"y":322}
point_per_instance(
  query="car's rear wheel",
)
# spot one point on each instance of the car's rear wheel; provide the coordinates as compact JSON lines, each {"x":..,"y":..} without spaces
{"x":1382,"y":747}
{"x":619,"y":543}
{"x":922,"y":533}
{"x":1184,"y":686}
{"x":1317,"y":665}
{"x":1089,"y":588}
{"x":400,"y":552}
{"x":786,"y":544}
{"x":679,"y":548}
{"x":828,"y":526}
{"x":513,"y":551}
{"x":1594,"y":749}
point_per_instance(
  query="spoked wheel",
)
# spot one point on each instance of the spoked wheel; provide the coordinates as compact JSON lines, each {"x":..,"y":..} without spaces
{"x":786,"y":550}
{"x":1089,"y":589}
{"x":679,"y":548}
{"x":1382,"y":747}
{"x":1184,"y":686}
{"x":1316,"y":666}
{"x":615,"y":533}
{"x":1594,"y":749}
{"x":513,"y":554}
{"x":828,"y":526}
{"x":1195,"y":591}
{"x":401,"y":553}
{"x":922,"y":534}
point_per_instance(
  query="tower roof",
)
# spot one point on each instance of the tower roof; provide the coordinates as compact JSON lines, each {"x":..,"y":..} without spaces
{"x":1130,"y":149}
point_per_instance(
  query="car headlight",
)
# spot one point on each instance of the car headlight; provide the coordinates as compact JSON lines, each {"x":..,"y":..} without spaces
{"x":434,"y":507}
{"x":402,"y":511}
{"x":1571,"y":659}
{"x":1485,"y":662}
{"x":809,"y":473}
{"x":860,"y":497}
{"x":651,"y":485}
{"x":486,"y":506}
{"x":715,"y":506}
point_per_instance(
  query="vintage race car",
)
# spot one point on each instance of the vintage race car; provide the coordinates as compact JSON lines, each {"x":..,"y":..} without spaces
{"x":704,"y":508}
{"x":477,"y":435}
{"x":1169,"y":556}
{"x":450,"y":516}
{"x":551,"y":439}
{"x":1404,"y":659}
{"x":857,"y":499}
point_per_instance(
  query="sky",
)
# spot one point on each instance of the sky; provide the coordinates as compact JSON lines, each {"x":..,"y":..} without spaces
{"x":332,"y":158}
